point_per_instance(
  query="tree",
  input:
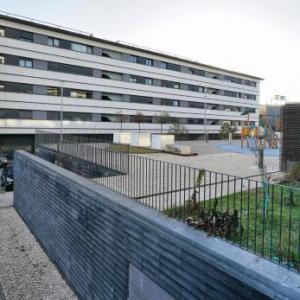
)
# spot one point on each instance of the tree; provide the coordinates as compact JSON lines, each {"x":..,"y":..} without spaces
{"x":164,"y":118}
{"x":226,"y":130}
{"x":139,"y":118}
{"x":179,"y":130}
{"x":121,"y":118}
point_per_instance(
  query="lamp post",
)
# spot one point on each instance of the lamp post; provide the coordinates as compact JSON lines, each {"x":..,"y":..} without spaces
{"x":61,"y":111}
{"x":205,"y":120}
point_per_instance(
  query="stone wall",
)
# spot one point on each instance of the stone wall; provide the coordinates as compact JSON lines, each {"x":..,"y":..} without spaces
{"x":96,"y":236}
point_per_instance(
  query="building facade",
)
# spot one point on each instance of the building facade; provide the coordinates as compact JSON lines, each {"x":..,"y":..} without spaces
{"x":49,"y":74}
{"x":270,"y":116}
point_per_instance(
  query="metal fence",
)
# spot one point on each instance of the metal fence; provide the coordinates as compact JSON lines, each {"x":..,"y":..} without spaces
{"x":264,"y":219}
{"x":90,"y":157}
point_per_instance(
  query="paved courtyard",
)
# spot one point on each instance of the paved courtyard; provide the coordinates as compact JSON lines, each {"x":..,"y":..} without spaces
{"x":212,"y":157}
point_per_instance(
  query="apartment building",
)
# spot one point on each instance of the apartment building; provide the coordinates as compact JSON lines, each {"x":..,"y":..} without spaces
{"x":53,"y":77}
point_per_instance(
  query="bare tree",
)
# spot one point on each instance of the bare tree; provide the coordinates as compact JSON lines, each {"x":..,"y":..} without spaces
{"x":179,"y":130}
{"x":121,"y":118}
{"x":164,"y":118}
{"x":139,"y":118}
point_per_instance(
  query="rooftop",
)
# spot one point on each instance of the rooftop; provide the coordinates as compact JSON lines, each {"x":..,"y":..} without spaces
{"x":82,"y":34}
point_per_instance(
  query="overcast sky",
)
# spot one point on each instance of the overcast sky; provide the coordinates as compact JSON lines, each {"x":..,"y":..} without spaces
{"x":258,"y":37}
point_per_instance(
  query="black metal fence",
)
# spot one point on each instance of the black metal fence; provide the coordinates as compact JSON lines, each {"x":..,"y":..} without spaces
{"x":88,"y":156}
{"x":260,"y":217}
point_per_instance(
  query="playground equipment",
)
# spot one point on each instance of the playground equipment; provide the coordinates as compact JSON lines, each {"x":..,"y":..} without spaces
{"x":264,"y":136}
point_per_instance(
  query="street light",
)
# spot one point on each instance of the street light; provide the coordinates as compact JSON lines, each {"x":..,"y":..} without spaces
{"x":61,"y":110}
{"x":205,"y":119}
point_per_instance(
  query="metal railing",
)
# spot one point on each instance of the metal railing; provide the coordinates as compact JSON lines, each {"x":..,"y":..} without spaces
{"x":264,"y":219}
{"x":8,"y":14}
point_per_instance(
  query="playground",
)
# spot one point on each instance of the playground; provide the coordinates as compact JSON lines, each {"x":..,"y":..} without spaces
{"x":236,"y":148}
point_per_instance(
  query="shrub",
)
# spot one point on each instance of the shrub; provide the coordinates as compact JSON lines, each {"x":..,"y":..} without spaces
{"x":294,"y":173}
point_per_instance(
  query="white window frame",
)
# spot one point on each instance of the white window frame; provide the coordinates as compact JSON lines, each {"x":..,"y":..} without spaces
{"x":148,"y":81}
{"x":149,"y":62}
{"x":25,"y":63}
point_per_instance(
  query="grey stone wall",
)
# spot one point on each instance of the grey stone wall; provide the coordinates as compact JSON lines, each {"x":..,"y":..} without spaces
{"x":93,"y":234}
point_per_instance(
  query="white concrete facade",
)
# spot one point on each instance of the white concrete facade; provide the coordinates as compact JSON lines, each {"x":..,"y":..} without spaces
{"x":42,"y":54}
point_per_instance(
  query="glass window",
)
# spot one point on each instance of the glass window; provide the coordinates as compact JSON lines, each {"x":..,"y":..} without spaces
{"x":53,"y":42}
{"x":163,"y":65}
{"x":78,"y":94}
{"x":148,"y":81}
{"x":11,"y":113}
{"x":2,"y":86}
{"x":176,"y":86}
{"x":2,"y":32}
{"x":132,"y":79}
{"x":26,"y":36}
{"x":176,"y":103}
{"x":24,"y":62}
{"x":53,"y":115}
{"x":2,"y":60}
{"x":52,"y":91}
{"x":149,"y":62}
{"x":81,"y":48}
{"x":133,"y":58}
{"x":191,"y":71}
{"x":25,"y":114}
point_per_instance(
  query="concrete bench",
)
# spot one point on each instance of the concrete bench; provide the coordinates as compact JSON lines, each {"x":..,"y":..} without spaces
{"x":179,"y":149}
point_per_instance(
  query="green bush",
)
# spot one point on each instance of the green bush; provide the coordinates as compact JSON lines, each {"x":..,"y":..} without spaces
{"x":294,"y":173}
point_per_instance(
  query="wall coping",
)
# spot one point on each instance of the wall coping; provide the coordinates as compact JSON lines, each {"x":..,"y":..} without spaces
{"x":261,"y":274}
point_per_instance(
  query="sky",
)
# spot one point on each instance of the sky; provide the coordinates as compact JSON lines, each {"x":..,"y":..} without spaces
{"x":257,"y":37}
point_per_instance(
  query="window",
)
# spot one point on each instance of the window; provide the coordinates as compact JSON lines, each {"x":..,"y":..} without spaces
{"x":163,"y":65}
{"x":141,"y":99}
{"x":175,"y":103}
{"x":196,"y":104}
{"x":53,"y":91}
{"x":133,"y":58}
{"x":53,"y":42}
{"x":109,"y":118}
{"x":81,"y":48}
{"x":25,"y":62}
{"x":251,"y":97}
{"x":112,"y":54}
{"x":2,"y":60}
{"x":149,"y":62}
{"x":77,"y":116}
{"x":53,"y":115}
{"x":111,"y":97}
{"x":193,"y":88}
{"x":191,"y":71}
{"x":2,"y":32}
{"x":2,"y":86}
{"x":26,"y":36}
{"x":230,"y":94}
{"x":58,"y":67}
{"x":25,"y":114}
{"x":176,"y":85}
{"x":132,"y":79}
{"x":79,"y":94}
{"x":201,"y":89}
{"x":148,"y":81}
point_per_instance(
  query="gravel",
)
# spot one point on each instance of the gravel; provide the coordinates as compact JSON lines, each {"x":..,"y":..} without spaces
{"x":25,"y":270}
